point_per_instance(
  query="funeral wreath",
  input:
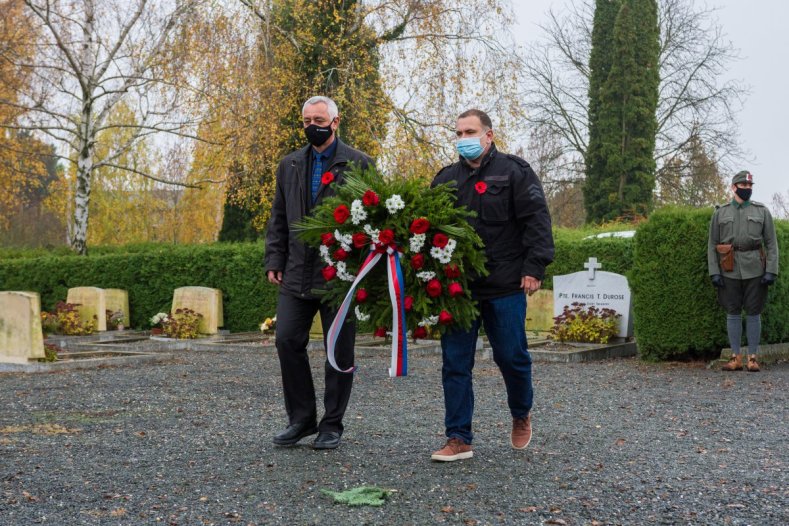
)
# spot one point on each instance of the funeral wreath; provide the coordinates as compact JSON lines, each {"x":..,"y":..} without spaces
{"x":431,"y":251}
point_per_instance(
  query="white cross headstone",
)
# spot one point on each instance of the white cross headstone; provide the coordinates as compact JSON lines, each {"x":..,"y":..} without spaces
{"x":595,"y":287}
{"x":591,"y":266}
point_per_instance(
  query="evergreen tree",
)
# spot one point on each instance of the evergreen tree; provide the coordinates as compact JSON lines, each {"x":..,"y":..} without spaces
{"x":601,"y":56}
{"x":620,"y":164}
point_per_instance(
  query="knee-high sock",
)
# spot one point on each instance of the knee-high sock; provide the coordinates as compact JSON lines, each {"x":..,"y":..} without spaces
{"x":753,"y":328}
{"x":734,"y":327}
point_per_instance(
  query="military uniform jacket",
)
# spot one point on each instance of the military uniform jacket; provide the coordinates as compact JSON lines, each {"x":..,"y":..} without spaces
{"x":747,"y":227}
{"x":300,"y":264}
{"x":512,"y":220}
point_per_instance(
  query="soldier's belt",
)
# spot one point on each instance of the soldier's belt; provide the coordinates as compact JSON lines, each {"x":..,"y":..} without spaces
{"x":749,"y":248}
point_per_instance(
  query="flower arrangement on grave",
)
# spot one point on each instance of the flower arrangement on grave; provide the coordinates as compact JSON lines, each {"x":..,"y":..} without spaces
{"x":157,"y":323}
{"x":183,"y":323}
{"x":66,"y":320}
{"x":429,"y":249}
{"x":579,"y":323}
{"x":115,"y":319}
{"x":268,"y":325}
{"x":50,"y":353}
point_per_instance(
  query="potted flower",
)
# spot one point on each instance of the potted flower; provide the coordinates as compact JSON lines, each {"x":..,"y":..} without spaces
{"x":268,"y":325}
{"x":157,"y":322}
{"x":116,"y":319}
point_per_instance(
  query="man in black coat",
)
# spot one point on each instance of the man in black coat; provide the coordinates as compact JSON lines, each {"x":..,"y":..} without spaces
{"x":514,"y":223}
{"x":302,"y":181}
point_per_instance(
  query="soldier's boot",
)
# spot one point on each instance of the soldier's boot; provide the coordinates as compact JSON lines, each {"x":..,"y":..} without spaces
{"x":734,"y":363}
{"x":753,"y":365}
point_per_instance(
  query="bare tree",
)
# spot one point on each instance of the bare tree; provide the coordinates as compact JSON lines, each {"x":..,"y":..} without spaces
{"x":91,"y":55}
{"x":781,"y":205}
{"x":693,"y":103}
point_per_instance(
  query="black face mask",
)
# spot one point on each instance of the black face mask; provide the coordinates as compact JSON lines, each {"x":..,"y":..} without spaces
{"x":317,"y":135}
{"x":744,"y":193}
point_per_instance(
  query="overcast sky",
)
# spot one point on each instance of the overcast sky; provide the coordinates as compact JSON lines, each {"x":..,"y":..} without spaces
{"x":758,"y":29}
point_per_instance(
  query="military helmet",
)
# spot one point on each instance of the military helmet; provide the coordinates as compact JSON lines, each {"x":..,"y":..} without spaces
{"x":743,"y":177}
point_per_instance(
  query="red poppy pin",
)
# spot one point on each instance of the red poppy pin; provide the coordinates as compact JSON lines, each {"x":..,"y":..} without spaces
{"x":481,"y":187}
{"x":327,"y":178}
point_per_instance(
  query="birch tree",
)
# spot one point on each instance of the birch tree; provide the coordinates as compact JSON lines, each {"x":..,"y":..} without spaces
{"x":92,"y":55}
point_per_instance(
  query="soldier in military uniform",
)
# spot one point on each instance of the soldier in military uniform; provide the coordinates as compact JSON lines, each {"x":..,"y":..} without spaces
{"x":742,"y":255}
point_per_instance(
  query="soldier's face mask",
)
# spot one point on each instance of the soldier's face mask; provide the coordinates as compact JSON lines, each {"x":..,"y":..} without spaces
{"x":744,"y":193}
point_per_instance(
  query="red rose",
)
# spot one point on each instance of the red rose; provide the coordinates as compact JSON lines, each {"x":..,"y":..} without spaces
{"x":327,"y":239}
{"x":440,"y":240}
{"x":444,"y":318}
{"x":419,"y":226}
{"x":341,"y":214}
{"x":340,"y":255}
{"x":420,"y":332}
{"x":455,"y":289}
{"x":361,"y":296}
{"x":327,"y":178}
{"x":408,"y":303}
{"x":417,"y":261}
{"x":481,"y":187}
{"x":329,"y":273}
{"x":370,"y":198}
{"x":380,"y":332}
{"x":433,"y":288}
{"x":452,"y":271}
{"x":386,"y":236}
{"x":359,"y":239}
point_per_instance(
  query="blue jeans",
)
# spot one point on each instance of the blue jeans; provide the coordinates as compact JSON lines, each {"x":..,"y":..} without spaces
{"x":504,"y":320}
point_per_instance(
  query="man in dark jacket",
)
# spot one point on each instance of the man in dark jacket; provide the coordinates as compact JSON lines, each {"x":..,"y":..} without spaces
{"x":514,"y":223}
{"x":303,"y":179}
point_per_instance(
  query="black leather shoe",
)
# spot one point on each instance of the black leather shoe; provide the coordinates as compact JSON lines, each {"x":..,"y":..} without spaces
{"x":326,"y":440}
{"x":294,"y":433}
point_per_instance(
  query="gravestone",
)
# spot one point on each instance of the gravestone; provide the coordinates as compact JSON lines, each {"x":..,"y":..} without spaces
{"x":118,"y":300}
{"x":206,"y":301}
{"x":91,"y":301}
{"x":316,"y":330}
{"x":598,"y":288}
{"x":21,"y":339}
{"x":539,"y":311}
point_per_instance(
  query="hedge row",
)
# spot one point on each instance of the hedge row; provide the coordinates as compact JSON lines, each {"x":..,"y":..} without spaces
{"x":675,"y":307}
{"x":615,"y":254}
{"x":150,"y":277}
{"x":675,"y":310}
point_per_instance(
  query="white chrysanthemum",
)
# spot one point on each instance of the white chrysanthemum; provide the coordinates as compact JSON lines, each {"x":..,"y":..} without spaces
{"x":395,"y":203}
{"x":345,"y":240}
{"x":444,"y":255}
{"x":360,"y":315}
{"x":342,"y":272}
{"x":426,"y":275}
{"x":429,"y":321}
{"x":416,"y":242}
{"x":372,"y":232}
{"x":324,"y":250}
{"x":358,"y":213}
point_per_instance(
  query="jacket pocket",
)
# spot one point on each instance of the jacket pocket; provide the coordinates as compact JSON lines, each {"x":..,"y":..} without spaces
{"x":496,"y":201}
{"x":726,"y":229}
{"x":755,"y":227}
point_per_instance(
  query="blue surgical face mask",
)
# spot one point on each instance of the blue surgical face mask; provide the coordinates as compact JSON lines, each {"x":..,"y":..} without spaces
{"x":470,"y":147}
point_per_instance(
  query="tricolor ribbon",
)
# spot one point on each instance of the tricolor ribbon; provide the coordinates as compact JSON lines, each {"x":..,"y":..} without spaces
{"x":399,"y":362}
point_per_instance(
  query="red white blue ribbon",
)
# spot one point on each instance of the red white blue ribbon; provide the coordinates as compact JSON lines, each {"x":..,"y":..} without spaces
{"x":399,"y":362}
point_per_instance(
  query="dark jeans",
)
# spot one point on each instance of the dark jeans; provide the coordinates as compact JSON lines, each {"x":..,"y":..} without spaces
{"x":504,"y":321}
{"x":294,"y":319}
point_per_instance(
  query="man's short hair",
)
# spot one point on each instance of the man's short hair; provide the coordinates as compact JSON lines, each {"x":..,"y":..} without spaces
{"x":330,"y":104}
{"x":483,"y":117}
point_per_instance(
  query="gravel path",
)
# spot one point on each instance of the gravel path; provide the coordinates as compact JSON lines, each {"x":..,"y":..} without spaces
{"x":189,"y":442}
